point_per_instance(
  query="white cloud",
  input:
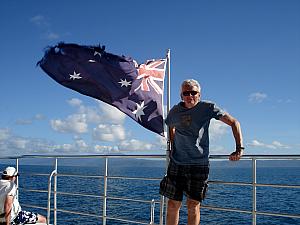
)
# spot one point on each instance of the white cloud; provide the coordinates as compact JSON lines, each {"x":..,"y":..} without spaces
{"x":19,"y":143}
{"x":4,"y":134}
{"x":39,"y":117}
{"x":38,"y":146}
{"x":135,"y":145}
{"x":92,"y":114}
{"x":31,"y":120}
{"x":23,"y":122}
{"x":273,"y":145}
{"x":51,"y":36}
{"x":161,"y":143}
{"x":42,"y":146}
{"x":104,"y":132}
{"x":109,"y":127}
{"x":256,"y":143}
{"x":81,"y":145}
{"x":67,"y":147}
{"x":12,"y":145}
{"x":111,"y":114}
{"x":104,"y":113}
{"x":109,"y":121}
{"x":74,"y":102}
{"x":217,"y":129}
{"x":257,"y":97}
{"x":42,"y":23}
{"x":285,"y":101}
{"x":104,"y":149}
{"x":277,"y":144}
{"x":75,"y":123}
{"x":39,"y":20}
{"x":218,"y":150}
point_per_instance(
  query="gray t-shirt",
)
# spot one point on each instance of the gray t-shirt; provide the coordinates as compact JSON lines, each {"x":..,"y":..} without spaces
{"x":191,"y":141}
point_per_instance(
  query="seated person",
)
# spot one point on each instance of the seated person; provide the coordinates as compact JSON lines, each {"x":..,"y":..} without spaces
{"x":10,"y":209}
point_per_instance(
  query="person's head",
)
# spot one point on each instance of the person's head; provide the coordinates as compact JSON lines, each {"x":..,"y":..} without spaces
{"x":190,"y":92}
{"x":9,"y":173}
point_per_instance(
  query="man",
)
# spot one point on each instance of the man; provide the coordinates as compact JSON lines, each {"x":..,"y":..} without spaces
{"x":10,"y":209}
{"x":189,"y":159}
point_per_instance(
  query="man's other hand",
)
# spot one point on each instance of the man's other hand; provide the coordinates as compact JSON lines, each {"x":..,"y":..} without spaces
{"x":235,"y":156}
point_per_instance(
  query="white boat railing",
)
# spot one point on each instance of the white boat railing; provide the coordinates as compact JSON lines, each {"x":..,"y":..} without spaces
{"x":55,"y":173}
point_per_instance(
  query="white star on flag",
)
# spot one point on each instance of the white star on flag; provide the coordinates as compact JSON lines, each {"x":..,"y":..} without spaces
{"x":124,"y":83}
{"x":139,"y":111}
{"x":75,"y":76}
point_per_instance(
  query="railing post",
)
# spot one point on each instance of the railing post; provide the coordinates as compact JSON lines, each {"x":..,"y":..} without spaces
{"x":161,"y":210}
{"x":105,"y":191}
{"x":53,"y":173}
{"x":254,"y":191}
{"x":55,"y":194}
{"x":17,"y":180}
{"x":152,"y":211}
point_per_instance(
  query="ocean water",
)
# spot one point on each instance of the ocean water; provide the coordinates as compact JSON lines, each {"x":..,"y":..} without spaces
{"x":239,"y":197}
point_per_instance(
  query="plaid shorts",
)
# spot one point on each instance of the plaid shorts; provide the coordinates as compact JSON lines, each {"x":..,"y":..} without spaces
{"x":188,"y":180}
{"x":25,"y":217}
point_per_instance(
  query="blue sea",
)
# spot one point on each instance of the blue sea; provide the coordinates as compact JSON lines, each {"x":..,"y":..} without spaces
{"x":278,"y":200}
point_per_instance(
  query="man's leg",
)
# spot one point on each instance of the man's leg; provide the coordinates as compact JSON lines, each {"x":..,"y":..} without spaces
{"x":193,"y":211}
{"x":173,"y":212}
{"x":41,"y":219}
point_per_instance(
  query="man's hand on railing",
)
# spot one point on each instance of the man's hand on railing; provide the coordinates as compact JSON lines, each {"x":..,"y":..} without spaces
{"x":236,"y":155}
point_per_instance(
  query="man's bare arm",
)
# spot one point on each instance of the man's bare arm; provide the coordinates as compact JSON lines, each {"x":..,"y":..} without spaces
{"x":237,"y":134}
{"x":7,"y":208}
{"x":171,"y":133}
{"x":171,"y":137}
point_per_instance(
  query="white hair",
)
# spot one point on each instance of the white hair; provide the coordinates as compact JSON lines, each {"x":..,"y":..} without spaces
{"x":190,"y":82}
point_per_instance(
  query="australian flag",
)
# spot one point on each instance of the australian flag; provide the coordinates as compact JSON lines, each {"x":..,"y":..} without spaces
{"x":136,"y":90}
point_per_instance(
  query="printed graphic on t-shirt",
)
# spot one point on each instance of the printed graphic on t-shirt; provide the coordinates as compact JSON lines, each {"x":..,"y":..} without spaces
{"x":186,"y":120}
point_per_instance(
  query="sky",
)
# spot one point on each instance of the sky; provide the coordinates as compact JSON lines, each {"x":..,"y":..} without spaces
{"x":245,"y":55}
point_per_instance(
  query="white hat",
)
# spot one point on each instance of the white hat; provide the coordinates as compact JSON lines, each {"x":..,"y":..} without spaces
{"x":10,"y":171}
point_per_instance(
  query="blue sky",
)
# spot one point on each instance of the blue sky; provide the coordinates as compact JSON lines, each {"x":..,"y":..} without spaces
{"x":245,"y":54}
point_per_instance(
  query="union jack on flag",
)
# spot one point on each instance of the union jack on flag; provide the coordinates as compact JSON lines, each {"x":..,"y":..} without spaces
{"x":117,"y":80}
{"x":149,"y":73}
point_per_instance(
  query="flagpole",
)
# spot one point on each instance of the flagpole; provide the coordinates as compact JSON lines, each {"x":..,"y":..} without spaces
{"x":169,"y":80}
{"x":168,"y":150}
{"x":168,"y":102}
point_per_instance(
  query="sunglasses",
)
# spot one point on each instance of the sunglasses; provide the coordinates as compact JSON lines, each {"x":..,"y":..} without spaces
{"x":188,"y":93}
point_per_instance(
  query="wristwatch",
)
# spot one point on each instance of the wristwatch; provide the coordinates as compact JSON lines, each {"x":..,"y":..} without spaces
{"x":239,"y":148}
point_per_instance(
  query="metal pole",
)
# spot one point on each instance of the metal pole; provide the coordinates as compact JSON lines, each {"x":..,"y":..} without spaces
{"x":105,"y":191}
{"x":17,"y":180}
{"x":53,"y":173}
{"x":168,"y":110}
{"x":161,"y":210}
{"x":254,"y":191}
{"x":162,"y":199}
{"x":152,"y":211}
{"x":169,"y":80}
{"x":55,"y":193}
{"x":168,"y":103}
